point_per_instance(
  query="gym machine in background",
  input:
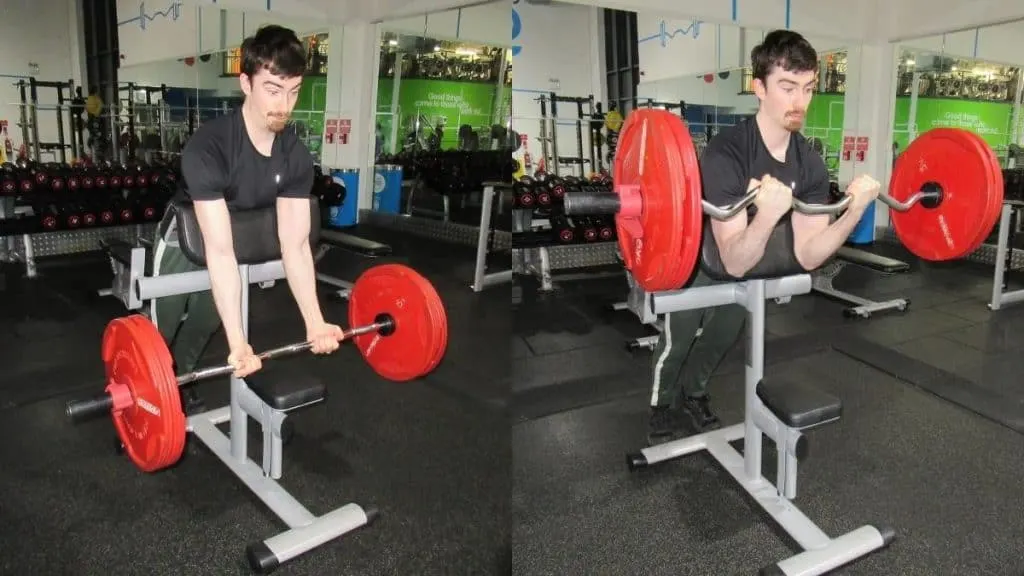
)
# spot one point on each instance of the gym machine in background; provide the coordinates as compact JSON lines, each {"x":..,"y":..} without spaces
{"x":549,"y":133}
{"x":153,"y":117}
{"x":29,"y":121}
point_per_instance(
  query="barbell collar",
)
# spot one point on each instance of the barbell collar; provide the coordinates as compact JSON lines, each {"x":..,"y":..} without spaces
{"x":82,"y":410}
{"x":591,"y":203}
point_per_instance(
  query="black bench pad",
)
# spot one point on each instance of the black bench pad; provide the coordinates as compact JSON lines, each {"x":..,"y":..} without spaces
{"x":798,"y":405}
{"x":361,"y":246}
{"x":286,"y":390}
{"x":873,"y":261}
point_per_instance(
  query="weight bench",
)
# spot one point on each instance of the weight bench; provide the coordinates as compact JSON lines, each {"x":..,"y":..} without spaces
{"x":863,"y":308}
{"x":128,"y":262}
{"x":355,"y":244}
{"x":774,"y":408}
{"x":269,"y":396}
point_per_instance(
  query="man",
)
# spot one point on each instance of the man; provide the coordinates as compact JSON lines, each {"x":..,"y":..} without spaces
{"x":244,"y":160}
{"x":767,"y":151}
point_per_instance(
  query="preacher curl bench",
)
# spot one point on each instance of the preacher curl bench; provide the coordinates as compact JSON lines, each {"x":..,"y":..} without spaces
{"x":779,"y":410}
{"x":266,"y":399}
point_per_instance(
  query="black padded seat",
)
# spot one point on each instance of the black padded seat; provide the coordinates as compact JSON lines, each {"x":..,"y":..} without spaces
{"x":798,"y":405}
{"x":286,"y":390}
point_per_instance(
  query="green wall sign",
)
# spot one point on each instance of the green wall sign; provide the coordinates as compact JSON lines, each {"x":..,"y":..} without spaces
{"x":990,"y":120}
{"x":438,"y":101}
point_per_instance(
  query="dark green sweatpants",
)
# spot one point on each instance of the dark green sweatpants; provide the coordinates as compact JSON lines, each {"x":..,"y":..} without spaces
{"x":691,"y":346}
{"x":189,"y":321}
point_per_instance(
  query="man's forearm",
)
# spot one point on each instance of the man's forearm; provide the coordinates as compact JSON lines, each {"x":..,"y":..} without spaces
{"x":227,"y":294}
{"x":744,"y":251}
{"x":301,"y":276}
{"x":817,"y":249}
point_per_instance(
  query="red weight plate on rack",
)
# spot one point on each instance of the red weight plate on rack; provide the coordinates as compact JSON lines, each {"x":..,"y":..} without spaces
{"x":661,"y":244}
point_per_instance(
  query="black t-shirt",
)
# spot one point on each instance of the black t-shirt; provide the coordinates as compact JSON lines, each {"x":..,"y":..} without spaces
{"x":738,"y":154}
{"x":221,"y":162}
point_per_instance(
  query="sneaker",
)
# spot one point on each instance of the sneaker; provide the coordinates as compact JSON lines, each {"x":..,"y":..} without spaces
{"x":663,"y":424}
{"x":698,"y":410}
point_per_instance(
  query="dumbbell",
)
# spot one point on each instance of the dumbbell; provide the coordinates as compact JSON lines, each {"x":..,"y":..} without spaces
{"x":8,"y":181}
{"x":56,"y":175}
{"x":556,"y":186}
{"x":585,"y":228}
{"x":123,"y":210}
{"x":563,"y":229}
{"x":143,"y":206}
{"x":49,"y":218}
{"x":87,"y":213}
{"x":106,"y":214}
{"x":605,"y":228}
{"x":522,"y":193}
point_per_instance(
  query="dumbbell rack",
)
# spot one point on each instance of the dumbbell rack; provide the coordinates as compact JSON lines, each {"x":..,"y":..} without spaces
{"x":538,"y":252}
{"x":42,"y":220}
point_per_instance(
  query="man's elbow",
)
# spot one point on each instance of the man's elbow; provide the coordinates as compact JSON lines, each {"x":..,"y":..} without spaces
{"x":293,"y":245}
{"x":806,"y":259}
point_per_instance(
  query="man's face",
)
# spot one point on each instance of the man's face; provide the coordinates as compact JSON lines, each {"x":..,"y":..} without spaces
{"x":785,"y":96}
{"x":272,"y":97}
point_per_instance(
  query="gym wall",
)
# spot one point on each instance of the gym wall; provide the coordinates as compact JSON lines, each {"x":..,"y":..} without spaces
{"x":899,"y":21}
{"x":486,"y":24}
{"x":39,"y":38}
{"x":179,"y":74}
{"x":1000,"y":44}
{"x":670,"y":48}
{"x":556,"y":48}
{"x":698,"y":89}
{"x":154,"y":33}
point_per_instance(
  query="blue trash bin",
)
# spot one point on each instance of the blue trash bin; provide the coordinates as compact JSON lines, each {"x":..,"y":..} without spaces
{"x":864,"y":232}
{"x":346,"y":214}
{"x":387,"y":188}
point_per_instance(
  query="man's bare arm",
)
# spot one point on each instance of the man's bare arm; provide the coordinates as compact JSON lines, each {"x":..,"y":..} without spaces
{"x":815,"y":240}
{"x":215,"y":226}
{"x":741,"y":244}
{"x":293,"y":227}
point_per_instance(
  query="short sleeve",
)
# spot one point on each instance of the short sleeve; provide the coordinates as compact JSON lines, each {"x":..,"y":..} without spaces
{"x":204,"y":169}
{"x":816,"y":190}
{"x":722,"y":175}
{"x":300,"y":173}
